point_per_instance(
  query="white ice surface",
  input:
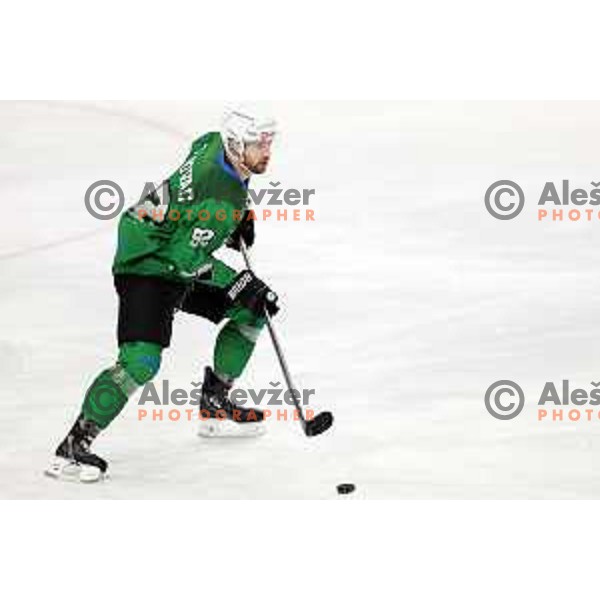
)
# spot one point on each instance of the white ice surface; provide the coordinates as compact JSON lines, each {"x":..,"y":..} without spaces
{"x":403,"y":301}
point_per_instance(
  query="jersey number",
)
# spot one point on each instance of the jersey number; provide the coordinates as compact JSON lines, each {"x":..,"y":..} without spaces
{"x":201,"y":237}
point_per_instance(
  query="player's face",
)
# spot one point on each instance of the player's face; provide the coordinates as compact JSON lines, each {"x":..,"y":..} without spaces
{"x":258,"y":154}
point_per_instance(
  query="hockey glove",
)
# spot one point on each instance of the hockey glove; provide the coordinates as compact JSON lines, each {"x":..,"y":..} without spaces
{"x":244,"y":232}
{"x":249,"y":291}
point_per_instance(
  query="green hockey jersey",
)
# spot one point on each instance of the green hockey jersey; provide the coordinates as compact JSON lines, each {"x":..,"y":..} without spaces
{"x":206,"y":200}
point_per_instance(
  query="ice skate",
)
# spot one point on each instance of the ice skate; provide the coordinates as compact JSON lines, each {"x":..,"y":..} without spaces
{"x":220,"y":417}
{"x":73,"y":459}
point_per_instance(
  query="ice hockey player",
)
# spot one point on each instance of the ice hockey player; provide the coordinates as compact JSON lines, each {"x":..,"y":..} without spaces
{"x":163,"y":265}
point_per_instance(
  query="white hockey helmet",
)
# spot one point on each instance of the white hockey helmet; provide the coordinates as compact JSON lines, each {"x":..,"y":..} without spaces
{"x":240,"y":127}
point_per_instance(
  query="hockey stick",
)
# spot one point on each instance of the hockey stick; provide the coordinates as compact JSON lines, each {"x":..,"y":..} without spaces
{"x":324,"y":420}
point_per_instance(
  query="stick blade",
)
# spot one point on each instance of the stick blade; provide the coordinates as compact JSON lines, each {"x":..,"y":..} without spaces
{"x":320,"y":424}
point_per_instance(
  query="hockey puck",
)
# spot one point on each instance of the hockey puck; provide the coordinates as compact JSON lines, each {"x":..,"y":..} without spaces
{"x":346,"y":488}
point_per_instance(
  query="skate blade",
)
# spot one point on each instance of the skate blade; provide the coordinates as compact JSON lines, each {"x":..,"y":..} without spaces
{"x":219,"y":428}
{"x":68,"y":470}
